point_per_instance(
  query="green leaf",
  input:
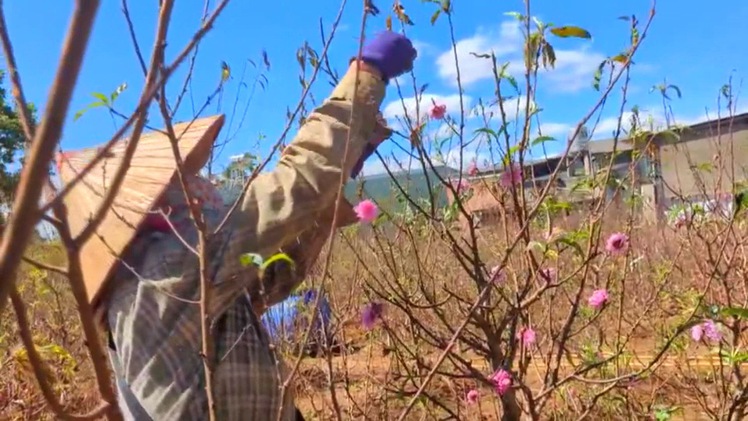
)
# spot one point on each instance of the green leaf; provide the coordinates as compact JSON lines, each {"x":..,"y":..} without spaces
{"x":485,"y":130}
{"x":280,"y":257}
{"x":101,"y":97}
{"x":542,"y":139}
{"x":516,"y":15}
{"x":599,"y":75}
{"x":549,"y":55}
{"x":570,"y":32}
{"x":251,"y":259}
{"x":741,"y":201}
{"x":117,"y":92}
{"x":620,"y":58}
{"x":435,"y":16}
{"x":80,"y":113}
{"x":704,"y":167}
{"x":573,"y":244}
{"x":538,"y":23}
{"x":503,"y":74}
{"x":225,"y":71}
{"x":739,"y":312}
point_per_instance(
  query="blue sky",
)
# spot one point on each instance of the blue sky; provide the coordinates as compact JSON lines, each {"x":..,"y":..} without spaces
{"x":692,"y":45}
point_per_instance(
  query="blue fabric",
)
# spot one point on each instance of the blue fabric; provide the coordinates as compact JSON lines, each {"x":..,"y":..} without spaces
{"x":290,"y":317}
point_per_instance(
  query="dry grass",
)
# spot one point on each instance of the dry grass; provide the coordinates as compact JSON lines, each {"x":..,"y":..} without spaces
{"x":654,"y":290}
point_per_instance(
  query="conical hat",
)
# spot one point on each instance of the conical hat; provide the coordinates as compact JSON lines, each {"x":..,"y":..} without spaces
{"x":152,"y":168}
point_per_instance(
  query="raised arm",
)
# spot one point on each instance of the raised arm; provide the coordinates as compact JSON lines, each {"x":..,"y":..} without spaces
{"x":280,"y":205}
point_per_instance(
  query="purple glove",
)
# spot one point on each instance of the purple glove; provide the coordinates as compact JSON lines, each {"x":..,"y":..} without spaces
{"x":391,"y":53}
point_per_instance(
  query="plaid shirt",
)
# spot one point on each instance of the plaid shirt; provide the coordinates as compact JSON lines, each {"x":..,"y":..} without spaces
{"x":153,"y":311}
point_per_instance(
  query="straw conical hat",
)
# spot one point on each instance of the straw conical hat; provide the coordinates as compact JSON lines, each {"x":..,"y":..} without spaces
{"x":151,"y":169}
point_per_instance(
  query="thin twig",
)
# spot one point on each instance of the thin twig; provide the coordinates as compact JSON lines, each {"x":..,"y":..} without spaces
{"x":142,"y":106}
{"x":25,"y":215}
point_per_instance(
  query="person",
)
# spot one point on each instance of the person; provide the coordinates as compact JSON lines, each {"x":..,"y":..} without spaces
{"x":287,"y":322}
{"x":146,"y":287}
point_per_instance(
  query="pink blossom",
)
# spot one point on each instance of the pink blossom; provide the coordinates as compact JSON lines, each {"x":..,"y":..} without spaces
{"x":472,"y":169}
{"x":511,"y":176}
{"x":707,"y":329}
{"x":527,"y":336}
{"x":697,"y":332}
{"x":617,"y":243}
{"x":472,"y":396}
{"x":366,"y":210}
{"x":711,"y":331}
{"x":502,"y":381}
{"x":598,"y":298}
{"x":437,"y":112}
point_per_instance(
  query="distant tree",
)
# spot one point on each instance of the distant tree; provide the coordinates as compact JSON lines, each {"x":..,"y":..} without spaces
{"x":240,"y":167}
{"x":11,"y":144}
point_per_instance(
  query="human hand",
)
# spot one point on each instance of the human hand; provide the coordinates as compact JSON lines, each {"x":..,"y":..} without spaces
{"x":391,"y":53}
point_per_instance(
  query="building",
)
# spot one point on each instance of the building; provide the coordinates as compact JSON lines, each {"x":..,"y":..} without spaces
{"x":695,"y":163}
{"x":705,"y":159}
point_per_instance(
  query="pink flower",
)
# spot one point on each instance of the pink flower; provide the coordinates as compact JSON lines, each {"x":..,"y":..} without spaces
{"x":497,"y":275}
{"x":437,"y":112}
{"x":697,"y":332}
{"x":370,"y":314}
{"x":598,"y":298}
{"x":501,"y":380}
{"x":511,"y":176}
{"x":472,"y":396}
{"x":617,"y":243}
{"x":472,"y":169}
{"x":711,"y":331}
{"x":527,"y":336}
{"x":366,"y":210}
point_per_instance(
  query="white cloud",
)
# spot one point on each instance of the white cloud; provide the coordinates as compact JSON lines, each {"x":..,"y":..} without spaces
{"x":452,"y":158}
{"x":424,"y":49}
{"x":394,"y":109}
{"x":557,"y":130}
{"x":472,"y":69}
{"x":573,"y":68}
{"x":513,"y":107}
